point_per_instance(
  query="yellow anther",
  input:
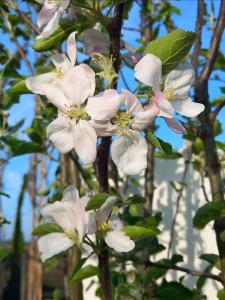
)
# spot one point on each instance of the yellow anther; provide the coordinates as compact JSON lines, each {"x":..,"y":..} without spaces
{"x":59,"y":73}
{"x":169,"y":93}
{"x":104,"y":226}
{"x":53,"y":1}
{"x":72,"y":235}
{"x":77,"y":113}
{"x":124,"y":119}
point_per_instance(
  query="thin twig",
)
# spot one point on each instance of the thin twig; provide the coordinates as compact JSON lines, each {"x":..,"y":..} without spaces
{"x":185,"y":270}
{"x":131,"y":29}
{"x":203,"y":187}
{"x":217,"y":110}
{"x":214,"y":44}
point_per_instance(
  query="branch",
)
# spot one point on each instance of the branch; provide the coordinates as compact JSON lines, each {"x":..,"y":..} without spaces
{"x":214,"y":44}
{"x":217,"y":110}
{"x":198,"y":30}
{"x":185,"y":270}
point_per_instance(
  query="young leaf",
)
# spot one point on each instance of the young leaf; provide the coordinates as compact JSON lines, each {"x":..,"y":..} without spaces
{"x":97,"y":201}
{"x":4,"y":252}
{"x":174,"y":291}
{"x":209,"y":212}
{"x":136,"y":199}
{"x":85,"y":272}
{"x":138,"y":232}
{"x":54,"y":40}
{"x":171,"y":48}
{"x":166,"y":148}
{"x":46,"y":228}
{"x":19,"y":88}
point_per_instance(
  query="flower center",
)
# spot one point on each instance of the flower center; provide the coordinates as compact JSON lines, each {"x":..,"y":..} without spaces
{"x":104,"y":226}
{"x":59,"y":73}
{"x":72,"y":235}
{"x":124,"y":119}
{"x":53,"y":1}
{"x":169,"y":93}
{"x":76,"y":113}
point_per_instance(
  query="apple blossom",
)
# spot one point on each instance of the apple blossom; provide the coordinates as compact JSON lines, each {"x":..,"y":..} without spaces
{"x":50,"y":15}
{"x":175,"y":95}
{"x":70,"y":215}
{"x":129,"y":149}
{"x":67,"y":88}
{"x":110,"y":227}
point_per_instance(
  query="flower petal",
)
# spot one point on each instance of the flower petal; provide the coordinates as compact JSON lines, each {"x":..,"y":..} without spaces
{"x":145,"y":118}
{"x":79,"y":212}
{"x":65,"y":4}
{"x":90,"y":74}
{"x":62,"y":213}
{"x":70,"y":195}
{"x":117,"y":224}
{"x":180,"y":79}
{"x":60,"y":134}
{"x":149,"y":71}
{"x":119,"y":241}
{"x":175,"y":125}
{"x":95,"y":41}
{"x":85,"y":141}
{"x":187,"y":107}
{"x":52,"y":244}
{"x":105,"y":105}
{"x":72,"y":48}
{"x":103,"y":128}
{"x":60,"y":61}
{"x":166,"y":108}
{"x":51,"y":26}
{"x":129,"y":152}
{"x":132,"y":103}
{"x":76,"y":85}
{"x":37,"y":84}
{"x":104,"y":211}
{"x":44,"y":16}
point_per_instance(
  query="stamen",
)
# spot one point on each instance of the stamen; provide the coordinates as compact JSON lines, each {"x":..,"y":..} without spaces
{"x":53,"y":1}
{"x":72,"y":234}
{"x":77,"y":113}
{"x":59,"y":73}
{"x":123,"y":119}
{"x":169,"y":93}
{"x":104,"y":226}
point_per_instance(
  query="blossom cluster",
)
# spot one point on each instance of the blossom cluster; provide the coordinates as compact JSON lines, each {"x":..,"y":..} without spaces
{"x":76,"y":224}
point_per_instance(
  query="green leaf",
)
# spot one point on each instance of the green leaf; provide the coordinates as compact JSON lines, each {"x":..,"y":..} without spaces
{"x":138,"y":232}
{"x":19,"y":88}
{"x":136,"y":199}
{"x":85,"y":272}
{"x":97,"y":201}
{"x":166,"y":148}
{"x":174,"y":291}
{"x":171,"y":48}
{"x":209,"y":212}
{"x":20,"y":147}
{"x":54,"y":40}
{"x":221,"y":294}
{"x":4,"y":252}
{"x":46,"y":228}
{"x":222,"y":236}
{"x":173,"y":155}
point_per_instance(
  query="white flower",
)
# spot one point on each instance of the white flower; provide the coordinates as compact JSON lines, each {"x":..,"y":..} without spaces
{"x":110,"y":227}
{"x":70,"y":215}
{"x":129,"y":149}
{"x":175,"y":96}
{"x":68,"y":88}
{"x":49,"y":15}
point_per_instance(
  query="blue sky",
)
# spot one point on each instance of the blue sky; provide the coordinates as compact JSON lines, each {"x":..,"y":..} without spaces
{"x":18,"y":166}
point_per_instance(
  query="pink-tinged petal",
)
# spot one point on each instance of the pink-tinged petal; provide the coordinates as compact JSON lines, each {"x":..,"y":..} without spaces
{"x":145,"y":118}
{"x":166,"y":108}
{"x":52,"y":244}
{"x":51,"y":26}
{"x":76,"y":85}
{"x":70,"y":195}
{"x":61,"y":62}
{"x":79,"y":212}
{"x":175,"y":125}
{"x":85,"y":141}
{"x":187,"y":107}
{"x":37,"y":84}
{"x":104,"y":211}
{"x":51,"y":5}
{"x":65,"y":4}
{"x":90,"y":74}
{"x":71,"y":48}
{"x":105,"y":105}
{"x":95,"y":41}
{"x":44,"y":16}
{"x":91,"y":225}
{"x":119,"y":241}
{"x":132,"y":103}
{"x":62,"y":213}
{"x":149,"y":71}
{"x":129,"y":152}
{"x":60,"y":134}
{"x":103,"y":128}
